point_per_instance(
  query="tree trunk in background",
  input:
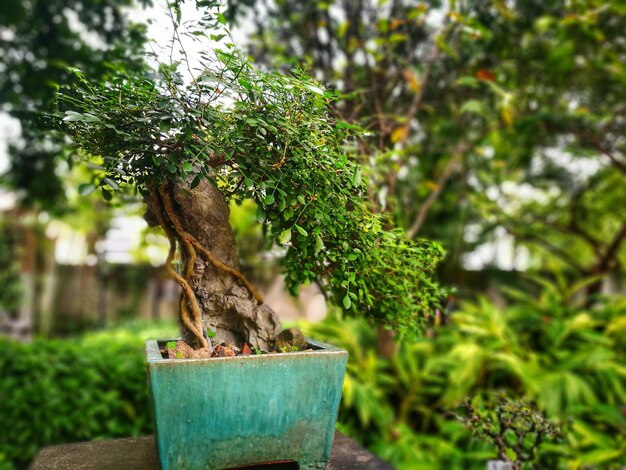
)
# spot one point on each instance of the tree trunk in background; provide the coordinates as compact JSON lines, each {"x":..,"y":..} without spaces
{"x":27,"y":313}
{"x":386,"y":343}
{"x":48,"y":288}
{"x":228,"y":308}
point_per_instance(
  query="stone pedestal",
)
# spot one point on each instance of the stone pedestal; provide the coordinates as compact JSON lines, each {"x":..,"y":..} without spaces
{"x":139,"y":453}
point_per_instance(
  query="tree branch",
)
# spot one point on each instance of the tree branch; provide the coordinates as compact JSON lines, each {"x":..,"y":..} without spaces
{"x":419,"y":96}
{"x":191,"y":245}
{"x":189,"y":298}
{"x":445,"y":175}
{"x":564,"y":255}
{"x":573,"y":228}
{"x":620,"y":165}
{"x":612,"y":249}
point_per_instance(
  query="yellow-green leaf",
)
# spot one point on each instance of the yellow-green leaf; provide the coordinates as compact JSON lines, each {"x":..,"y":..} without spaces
{"x":285,"y":236}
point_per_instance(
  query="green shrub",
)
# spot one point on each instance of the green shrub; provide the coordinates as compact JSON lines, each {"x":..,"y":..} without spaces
{"x":552,"y":350}
{"x":392,"y":407}
{"x":516,"y":428}
{"x":58,"y":391}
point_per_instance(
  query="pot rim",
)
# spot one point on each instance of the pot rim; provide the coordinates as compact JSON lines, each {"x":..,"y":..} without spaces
{"x":153,"y":353}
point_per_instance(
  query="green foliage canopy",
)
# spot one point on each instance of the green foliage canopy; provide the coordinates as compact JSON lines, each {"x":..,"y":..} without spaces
{"x":474,"y":107}
{"x":546,"y":348}
{"x":64,"y":391}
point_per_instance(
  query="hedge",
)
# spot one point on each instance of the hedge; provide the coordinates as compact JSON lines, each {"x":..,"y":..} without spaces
{"x":60,"y":391}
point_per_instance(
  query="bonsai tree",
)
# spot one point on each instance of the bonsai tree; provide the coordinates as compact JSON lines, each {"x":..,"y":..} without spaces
{"x":514,"y":427}
{"x":191,"y":136}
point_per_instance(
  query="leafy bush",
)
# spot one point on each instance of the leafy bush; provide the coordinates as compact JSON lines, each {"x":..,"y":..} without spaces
{"x":514,"y":427}
{"x":551,"y":350}
{"x":58,"y":391}
{"x":391,"y":406}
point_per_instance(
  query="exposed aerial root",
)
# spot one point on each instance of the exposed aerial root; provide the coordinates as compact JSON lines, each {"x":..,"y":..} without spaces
{"x":178,"y":231}
{"x":229,"y":269}
{"x":191,"y":244}
{"x":189,"y":299}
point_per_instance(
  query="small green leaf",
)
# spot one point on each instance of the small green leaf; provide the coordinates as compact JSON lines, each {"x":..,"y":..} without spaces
{"x":196,"y":181}
{"x":86,"y":188}
{"x":301,"y":199}
{"x":269,"y":199}
{"x":221,"y":18}
{"x":345,"y":125}
{"x":106,"y":195}
{"x":94,"y":166}
{"x":112,"y":184}
{"x":303,"y":232}
{"x":356,"y":177}
{"x":474,"y":107}
{"x":468,"y":81}
{"x":90,"y":118}
{"x":285,"y":236}
{"x":171,"y":345}
{"x":245,"y":84}
{"x":347,"y":303}
{"x":319,"y":244}
{"x":71,"y":116}
{"x":314,"y":89}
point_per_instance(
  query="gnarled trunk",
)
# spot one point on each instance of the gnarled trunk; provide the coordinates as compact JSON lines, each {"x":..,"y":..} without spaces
{"x":199,"y":220}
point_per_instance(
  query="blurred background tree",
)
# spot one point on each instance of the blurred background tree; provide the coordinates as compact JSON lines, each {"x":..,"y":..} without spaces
{"x":40,"y":39}
{"x":486,"y":117}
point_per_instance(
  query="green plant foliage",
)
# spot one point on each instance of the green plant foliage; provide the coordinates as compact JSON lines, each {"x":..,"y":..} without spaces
{"x":10,"y":278}
{"x":549,"y":349}
{"x":61,"y":391}
{"x":514,"y":427}
{"x":393,"y":406}
{"x":271,"y":138}
{"x":485,"y":116}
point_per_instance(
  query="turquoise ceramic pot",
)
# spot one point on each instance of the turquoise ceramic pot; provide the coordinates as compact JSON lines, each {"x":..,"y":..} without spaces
{"x":231,"y":411}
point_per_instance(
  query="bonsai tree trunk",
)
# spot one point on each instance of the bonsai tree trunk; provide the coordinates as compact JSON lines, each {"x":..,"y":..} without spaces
{"x":216,"y":297}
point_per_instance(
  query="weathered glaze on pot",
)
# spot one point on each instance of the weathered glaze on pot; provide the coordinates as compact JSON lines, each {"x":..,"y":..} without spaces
{"x":230,"y":411}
